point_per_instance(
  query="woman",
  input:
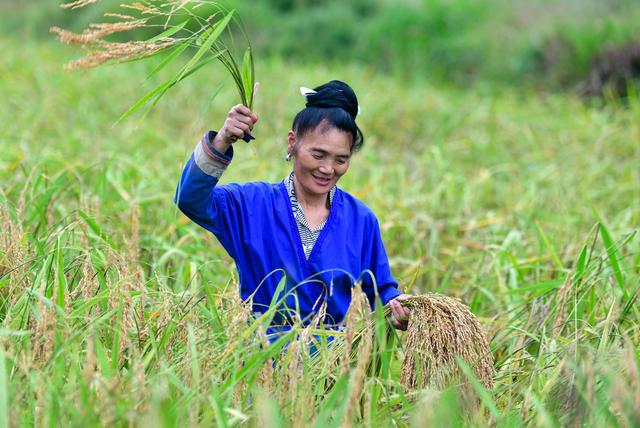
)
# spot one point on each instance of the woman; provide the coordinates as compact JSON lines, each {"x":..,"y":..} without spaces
{"x":317,"y":237}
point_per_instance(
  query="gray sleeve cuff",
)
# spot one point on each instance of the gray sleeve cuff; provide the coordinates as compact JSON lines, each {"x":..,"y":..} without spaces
{"x":210,"y":160}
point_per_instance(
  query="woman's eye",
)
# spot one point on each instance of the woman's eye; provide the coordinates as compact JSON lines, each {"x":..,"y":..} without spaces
{"x":342,"y":161}
{"x":317,"y":156}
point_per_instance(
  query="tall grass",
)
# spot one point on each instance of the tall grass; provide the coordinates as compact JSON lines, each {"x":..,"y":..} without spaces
{"x":117,"y":310}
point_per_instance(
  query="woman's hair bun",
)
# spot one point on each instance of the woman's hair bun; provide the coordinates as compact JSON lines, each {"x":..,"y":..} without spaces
{"x":334,"y":94}
{"x":333,"y":103}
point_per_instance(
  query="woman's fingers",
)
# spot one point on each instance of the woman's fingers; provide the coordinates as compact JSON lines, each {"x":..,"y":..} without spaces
{"x":394,"y":308}
{"x":403,"y":297}
{"x":239,"y":122}
{"x":234,"y":131}
{"x":404,"y":310}
{"x":399,"y":313}
{"x":244,"y":121}
{"x":394,"y":314}
{"x":400,"y":324}
{"x":241,"y":113}
{"x":240,"y":110}
{"x":238,"y":131}
{"x":396,"y":311}
{"x":245,"y":127}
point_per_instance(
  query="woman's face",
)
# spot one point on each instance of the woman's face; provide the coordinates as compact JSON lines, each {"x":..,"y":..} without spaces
{"x":321,"y":157}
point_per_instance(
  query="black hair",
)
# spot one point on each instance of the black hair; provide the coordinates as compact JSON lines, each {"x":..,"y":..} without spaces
{"x":334,"y":103}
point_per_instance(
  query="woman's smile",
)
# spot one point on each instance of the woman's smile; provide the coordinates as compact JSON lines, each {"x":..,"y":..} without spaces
{"x":322,"y":181}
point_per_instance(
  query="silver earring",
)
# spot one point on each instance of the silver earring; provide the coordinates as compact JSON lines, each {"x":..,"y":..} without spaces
{"x":288,"y":157}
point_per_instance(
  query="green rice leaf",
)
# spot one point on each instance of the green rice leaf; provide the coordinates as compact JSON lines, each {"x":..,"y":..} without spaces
{"x":145,"y":99}
{"x":277,"y":294}
{"x":582,"y":262}
{"x":164,"y":90}
{"x":166,"y":334}
{"x":216,"y":402}
{"x":631,"y":302}
{"x":213,"y":35}
{"x":173,"y":55}
{"x":87,"y":304}
{"x":169,"y":32}
{"x":101,"y":356}
{"x":247,"y":77}
{"x":158,"y":92}
{"x":43,"y":274}
{"x":207,"y":39}
{"x":97,"y":229}
{"x":547,"y":243}
{"x":334,"y":404}
{"x":540,"y":287}
{"x":613,"y":258}
{"x":62,"y":280}
{"x":231,"y":65}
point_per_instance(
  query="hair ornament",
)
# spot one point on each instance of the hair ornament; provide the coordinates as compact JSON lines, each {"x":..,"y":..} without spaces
{"x":306,"y":91}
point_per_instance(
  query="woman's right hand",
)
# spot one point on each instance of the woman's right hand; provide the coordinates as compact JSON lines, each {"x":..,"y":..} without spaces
{"x":239,"y":121}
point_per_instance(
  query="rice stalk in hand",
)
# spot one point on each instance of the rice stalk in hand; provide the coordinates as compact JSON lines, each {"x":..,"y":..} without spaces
{"x":440,"y":329}
{"x":177,"y":26}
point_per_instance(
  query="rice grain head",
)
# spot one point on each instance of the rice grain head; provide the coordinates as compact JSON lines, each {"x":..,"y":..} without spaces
{"x":107,"y":52}
{"x":119,"y":16}
{"x":440,"y":329}
{"x":145,"y":8}
{"x":77,"y":4}
{"x":96,"y":31}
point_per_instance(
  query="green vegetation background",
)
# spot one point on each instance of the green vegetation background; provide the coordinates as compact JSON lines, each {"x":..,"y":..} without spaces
{"x":493,"y":183}
{"x":540,"y":42}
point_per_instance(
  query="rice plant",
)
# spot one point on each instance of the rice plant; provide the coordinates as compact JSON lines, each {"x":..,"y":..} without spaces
{"x":175,"y":26}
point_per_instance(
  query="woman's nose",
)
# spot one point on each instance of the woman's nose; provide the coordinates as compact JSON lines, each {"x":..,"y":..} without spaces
{"x":326,"y":168}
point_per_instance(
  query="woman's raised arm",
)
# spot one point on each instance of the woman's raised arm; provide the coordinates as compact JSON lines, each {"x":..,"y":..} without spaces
{"x":194,"y":195}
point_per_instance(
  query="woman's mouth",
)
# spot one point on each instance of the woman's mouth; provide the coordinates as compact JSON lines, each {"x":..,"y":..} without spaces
{"x":321,"y":181}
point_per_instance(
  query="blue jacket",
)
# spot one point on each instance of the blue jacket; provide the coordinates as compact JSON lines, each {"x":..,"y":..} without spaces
{"x":254,"y":222}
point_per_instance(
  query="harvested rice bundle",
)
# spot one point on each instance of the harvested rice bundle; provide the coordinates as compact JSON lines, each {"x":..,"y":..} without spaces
{"x":440,"y":329}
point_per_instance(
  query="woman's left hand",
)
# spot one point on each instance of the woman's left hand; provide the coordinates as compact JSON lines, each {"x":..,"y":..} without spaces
{"x":399,"y":313}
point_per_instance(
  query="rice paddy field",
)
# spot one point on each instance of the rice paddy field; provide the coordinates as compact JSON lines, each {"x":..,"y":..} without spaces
{"x":117,"y":310}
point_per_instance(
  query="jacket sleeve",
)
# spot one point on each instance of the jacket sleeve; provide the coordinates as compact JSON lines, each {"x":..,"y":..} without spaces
{"x":379,"y":280}
{"x":198,"y":196}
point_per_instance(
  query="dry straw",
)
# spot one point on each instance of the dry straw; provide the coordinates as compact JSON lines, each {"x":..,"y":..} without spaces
{"x":440,"y":330}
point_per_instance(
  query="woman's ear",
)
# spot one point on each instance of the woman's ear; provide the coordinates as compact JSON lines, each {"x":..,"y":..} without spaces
{"x":291,"y":142}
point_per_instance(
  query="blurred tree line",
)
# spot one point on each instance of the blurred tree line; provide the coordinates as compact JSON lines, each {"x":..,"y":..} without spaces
{"x":527,"y":42}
